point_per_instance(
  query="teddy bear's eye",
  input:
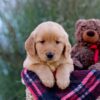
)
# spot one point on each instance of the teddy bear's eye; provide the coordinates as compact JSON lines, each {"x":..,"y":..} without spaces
{"x":95,"y":29}
{"x":57,"y":42}
{"x":42,"y":41}
{"x":83,"y":28}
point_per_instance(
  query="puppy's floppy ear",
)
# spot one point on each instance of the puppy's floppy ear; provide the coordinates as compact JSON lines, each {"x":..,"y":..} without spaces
{"x":67,"y":49}
{"x":30,"y":45}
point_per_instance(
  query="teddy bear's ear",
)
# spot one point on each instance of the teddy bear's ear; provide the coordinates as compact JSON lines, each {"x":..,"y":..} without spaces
{"x":98,"y":22}
{"x":79,"y":22}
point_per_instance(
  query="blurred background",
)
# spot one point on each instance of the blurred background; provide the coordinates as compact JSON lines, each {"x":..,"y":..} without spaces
{"x":18,"y":18}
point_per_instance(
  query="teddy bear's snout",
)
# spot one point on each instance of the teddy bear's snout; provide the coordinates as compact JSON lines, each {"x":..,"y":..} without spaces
{"x":90,"y":36}
{"x":90,"y":33}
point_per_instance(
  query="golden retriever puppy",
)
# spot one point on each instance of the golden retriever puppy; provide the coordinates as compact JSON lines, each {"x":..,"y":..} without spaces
{"x":48,"y":52}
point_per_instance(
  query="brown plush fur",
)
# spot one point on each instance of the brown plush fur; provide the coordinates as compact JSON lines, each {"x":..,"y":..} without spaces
{"x":87,"y":34}
{"x":49,"y":37}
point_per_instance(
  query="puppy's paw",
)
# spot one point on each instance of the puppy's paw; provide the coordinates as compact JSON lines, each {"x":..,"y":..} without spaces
{"x":63,"y":83}
{"x":45,"y":75}
{"x":63,"y":78}
{"x":48,"y":81}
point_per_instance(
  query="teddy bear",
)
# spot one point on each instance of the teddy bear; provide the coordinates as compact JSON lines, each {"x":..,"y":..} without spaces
{"x":86,"y":52}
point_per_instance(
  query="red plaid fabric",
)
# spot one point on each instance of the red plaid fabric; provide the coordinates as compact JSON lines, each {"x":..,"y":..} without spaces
{"x":85,"y":85}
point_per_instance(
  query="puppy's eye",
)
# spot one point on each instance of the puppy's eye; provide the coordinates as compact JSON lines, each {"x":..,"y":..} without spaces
{"x":42,"y":41}
{"x":57,"y":42}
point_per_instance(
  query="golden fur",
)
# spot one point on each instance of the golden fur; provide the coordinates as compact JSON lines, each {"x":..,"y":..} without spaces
{"x":49,"y":37}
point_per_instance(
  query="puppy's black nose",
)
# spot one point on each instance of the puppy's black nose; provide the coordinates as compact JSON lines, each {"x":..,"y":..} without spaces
{"x":49,"y":55}
{"x":90,"y":33}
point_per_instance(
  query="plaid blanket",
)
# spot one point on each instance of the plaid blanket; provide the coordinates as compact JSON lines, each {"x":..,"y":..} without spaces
{"x":85,"y":85}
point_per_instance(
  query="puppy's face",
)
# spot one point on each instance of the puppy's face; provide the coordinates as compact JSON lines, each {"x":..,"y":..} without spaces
{"x":49,"y":46}
{"x":48,"y":42}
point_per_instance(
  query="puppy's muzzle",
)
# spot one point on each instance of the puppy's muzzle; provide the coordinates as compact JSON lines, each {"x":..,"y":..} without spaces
{"x":50,"y":55}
